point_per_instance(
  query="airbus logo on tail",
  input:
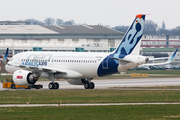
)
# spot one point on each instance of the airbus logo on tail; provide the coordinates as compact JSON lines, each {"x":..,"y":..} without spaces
{"x":132,"y":37}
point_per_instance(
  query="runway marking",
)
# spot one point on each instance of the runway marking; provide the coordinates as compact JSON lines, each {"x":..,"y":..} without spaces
{"x":98,"y":104}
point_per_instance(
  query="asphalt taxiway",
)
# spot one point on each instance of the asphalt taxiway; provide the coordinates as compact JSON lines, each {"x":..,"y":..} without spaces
{"x":96,"y":104}
{"x":114,"y":83}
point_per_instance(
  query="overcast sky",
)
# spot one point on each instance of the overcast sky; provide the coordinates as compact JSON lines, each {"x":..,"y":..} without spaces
{"x":93,"y":12}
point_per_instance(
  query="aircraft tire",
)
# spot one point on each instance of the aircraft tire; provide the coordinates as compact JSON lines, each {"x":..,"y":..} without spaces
{"x":92,"y":85}
{"x":51,"y":85}
{"x":86,"y":85}
{"x":56,"y":85}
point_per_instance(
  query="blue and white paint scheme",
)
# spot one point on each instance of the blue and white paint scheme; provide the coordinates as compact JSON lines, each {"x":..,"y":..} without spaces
{"x":172,"y":57}
{"x":4,"y":60}
{"x":79,"y":68}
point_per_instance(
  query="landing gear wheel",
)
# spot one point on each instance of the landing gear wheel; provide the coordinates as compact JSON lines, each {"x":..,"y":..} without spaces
{"x":56,"y":85}
{"x":51,"y":85}
{"x":92,"y":85}
{"x":86,"y":85}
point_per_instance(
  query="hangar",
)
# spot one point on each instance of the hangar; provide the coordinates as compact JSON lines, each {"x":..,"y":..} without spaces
{"x":89,"y":38}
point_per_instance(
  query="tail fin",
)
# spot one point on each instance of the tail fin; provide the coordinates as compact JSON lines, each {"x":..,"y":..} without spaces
{"x":172,"y":57}
{"x":4,"y":60}
{"x":132,"y":37}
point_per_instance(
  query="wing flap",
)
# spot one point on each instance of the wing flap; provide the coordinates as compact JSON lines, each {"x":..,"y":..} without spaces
{"x":53,"y":70}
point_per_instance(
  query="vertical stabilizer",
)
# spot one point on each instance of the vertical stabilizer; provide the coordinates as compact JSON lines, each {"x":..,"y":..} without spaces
{"x":129,"y":44}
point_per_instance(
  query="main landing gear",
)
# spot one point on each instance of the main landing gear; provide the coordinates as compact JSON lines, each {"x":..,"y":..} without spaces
{"x":53,"y":85}
{"x":88,"y":84}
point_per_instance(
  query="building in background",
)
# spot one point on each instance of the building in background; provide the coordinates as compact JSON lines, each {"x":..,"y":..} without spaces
{"x":79,"y":38}
{"x":94,"y":38}
{"x":159,"y":41}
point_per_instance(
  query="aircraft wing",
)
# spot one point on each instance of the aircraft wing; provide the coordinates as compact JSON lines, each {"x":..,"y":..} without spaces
{"x":170,"y":59}
{"x":53,"y":70}
{"x":41,"y":69}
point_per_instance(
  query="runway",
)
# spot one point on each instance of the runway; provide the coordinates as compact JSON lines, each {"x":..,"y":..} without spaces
{"x":111,"y":83}
{"x":95,"y":104}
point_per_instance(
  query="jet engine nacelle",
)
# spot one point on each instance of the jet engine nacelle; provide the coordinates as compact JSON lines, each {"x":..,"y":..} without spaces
{"x":75,"y":81}
{"x":24,"y":77}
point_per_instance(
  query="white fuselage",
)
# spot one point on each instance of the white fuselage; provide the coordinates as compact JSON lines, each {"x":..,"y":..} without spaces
{"x":84,"y":63}
{"x":78,"y":64}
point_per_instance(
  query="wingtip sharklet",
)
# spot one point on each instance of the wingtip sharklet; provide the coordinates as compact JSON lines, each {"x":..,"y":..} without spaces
{"x":172,"y":57}
{"x":4,"y":60}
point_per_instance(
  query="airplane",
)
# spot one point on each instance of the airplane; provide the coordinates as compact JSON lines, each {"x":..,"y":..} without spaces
{"x":4,"y":60}
{"x":79,"y":68}
{"x":169,"y":60}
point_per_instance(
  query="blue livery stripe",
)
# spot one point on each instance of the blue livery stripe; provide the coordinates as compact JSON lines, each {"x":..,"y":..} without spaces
{"x":127,"y":45}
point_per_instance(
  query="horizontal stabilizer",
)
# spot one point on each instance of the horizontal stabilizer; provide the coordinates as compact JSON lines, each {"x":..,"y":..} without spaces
{"x":170,"y":59}
{"x":122,"y":61}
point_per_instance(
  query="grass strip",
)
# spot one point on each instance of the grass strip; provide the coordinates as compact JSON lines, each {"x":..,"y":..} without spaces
{"x":88,"y":96}
{"x":137,"y":112}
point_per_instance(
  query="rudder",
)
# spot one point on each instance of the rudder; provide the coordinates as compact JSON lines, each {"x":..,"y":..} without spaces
{"x":132,"y":37}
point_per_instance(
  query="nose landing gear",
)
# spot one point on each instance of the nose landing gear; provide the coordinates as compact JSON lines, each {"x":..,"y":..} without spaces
{"x":52,"y":85}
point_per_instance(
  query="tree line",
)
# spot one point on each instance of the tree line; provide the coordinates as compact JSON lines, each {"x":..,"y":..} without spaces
{"x":49,"y":21}
{"x":151,"y":28}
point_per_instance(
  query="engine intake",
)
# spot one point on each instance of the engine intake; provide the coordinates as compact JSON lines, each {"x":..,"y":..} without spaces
{"x":32,"y":78}
{"x":24,"y":77}
{"x":147,"y":60}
